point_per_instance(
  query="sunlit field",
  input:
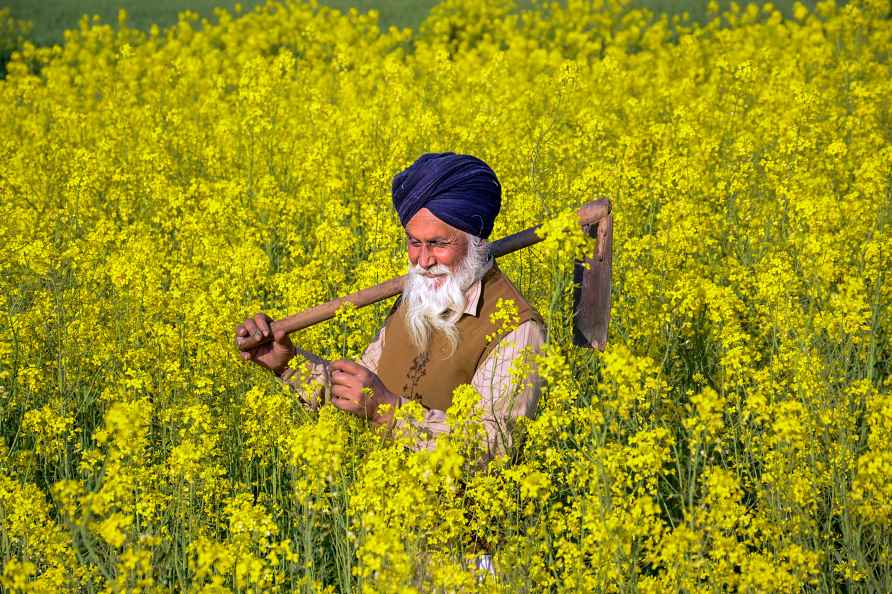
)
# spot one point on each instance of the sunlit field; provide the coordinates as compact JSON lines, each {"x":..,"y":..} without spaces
{"x":157,"y":187}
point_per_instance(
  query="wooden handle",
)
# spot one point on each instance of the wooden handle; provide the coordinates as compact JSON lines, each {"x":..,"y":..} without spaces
{"x":589,"y":214}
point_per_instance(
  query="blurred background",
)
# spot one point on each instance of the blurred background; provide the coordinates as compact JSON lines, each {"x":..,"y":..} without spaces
{"x":50,"y":18}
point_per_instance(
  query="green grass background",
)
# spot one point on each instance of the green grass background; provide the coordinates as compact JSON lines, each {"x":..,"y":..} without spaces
{"x":51,"y":18}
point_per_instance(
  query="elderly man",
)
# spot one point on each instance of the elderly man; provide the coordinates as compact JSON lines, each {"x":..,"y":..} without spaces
{"x":436,"y":337}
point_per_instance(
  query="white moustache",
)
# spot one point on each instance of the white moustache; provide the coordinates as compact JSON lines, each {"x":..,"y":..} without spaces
{"x":436,"y":270}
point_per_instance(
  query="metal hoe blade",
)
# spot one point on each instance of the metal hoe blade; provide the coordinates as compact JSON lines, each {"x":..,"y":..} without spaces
{"x":591,"y":298}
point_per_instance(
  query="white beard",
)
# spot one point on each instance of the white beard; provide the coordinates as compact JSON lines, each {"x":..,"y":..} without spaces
{"x":431,"y":308}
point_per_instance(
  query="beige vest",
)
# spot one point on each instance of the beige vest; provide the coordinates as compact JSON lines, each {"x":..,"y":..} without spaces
{"x":430,"y":377}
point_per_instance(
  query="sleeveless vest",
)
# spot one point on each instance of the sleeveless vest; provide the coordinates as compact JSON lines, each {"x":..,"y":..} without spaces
{"x":430,"y":377}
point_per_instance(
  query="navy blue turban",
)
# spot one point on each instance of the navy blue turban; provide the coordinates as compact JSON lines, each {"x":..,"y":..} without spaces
{"x":460,"y":190}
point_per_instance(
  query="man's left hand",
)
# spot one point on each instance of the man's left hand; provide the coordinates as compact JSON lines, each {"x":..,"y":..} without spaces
{"x":359,"y":391}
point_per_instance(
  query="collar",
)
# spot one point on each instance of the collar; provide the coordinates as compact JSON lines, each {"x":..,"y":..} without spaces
{"x":472,"y":295}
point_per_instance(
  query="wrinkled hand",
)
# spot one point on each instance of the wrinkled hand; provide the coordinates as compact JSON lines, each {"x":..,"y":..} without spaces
{"x":273,"y":355}
{"x":357,"y":390}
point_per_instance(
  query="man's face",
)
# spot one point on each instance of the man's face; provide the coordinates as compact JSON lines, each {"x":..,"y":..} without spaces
{"x":435,"y":246}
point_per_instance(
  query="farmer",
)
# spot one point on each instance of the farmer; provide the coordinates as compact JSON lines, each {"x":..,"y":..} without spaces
{"x":435,"y":338}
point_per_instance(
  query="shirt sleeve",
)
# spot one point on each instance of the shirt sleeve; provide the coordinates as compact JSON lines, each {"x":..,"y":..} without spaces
{"x":503,"y":395}
{"x":313,"y":384}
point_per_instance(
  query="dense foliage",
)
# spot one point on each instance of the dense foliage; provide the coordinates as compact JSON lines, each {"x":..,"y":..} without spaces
{"x":13,"y":33}
{"x":156,"y":188}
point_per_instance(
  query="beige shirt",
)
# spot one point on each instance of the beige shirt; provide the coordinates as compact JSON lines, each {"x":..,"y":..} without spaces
{"x":502,"y":398}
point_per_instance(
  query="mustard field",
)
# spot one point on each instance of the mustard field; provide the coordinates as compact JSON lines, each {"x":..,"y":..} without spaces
{"x":156,"y":188}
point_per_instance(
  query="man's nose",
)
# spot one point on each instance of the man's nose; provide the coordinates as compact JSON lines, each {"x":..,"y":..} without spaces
{"x":425,"y":257}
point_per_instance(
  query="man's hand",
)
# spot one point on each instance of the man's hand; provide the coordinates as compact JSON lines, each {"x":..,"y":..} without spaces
{"x":273,"y":355}
{"x":357,"y":390}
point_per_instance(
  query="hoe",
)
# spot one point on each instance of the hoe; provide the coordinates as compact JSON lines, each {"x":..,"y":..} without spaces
{"x":591,"y":298}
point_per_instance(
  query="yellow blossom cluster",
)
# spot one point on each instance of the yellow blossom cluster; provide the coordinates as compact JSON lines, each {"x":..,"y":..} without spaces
{"x":157,"y":187}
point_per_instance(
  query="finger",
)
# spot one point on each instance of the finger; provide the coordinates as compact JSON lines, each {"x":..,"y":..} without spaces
{"x":344,"y":394}
{"x":361,"y":373}
{"x":247,"y":355}
{"x":345,"y":380}
{"x":346,"y":366}
{"x":345,"y":405}
{"x":262,"y":321}
{"x":240,"y":330}
{"x":252,"y":329}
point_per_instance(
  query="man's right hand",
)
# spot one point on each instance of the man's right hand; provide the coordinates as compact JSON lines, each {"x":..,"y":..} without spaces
{"x":275,"y":354}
